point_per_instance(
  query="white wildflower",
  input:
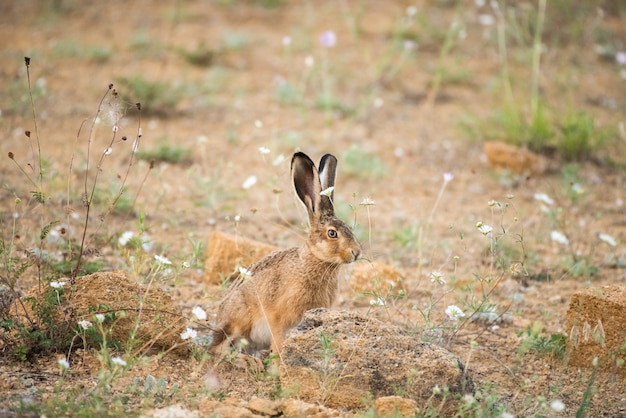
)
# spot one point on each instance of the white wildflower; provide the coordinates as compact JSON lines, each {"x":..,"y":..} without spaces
{"x":108,"y":151}
{"x":125,"y":238}
{"x":608,"y":239}
{"x":437,"y":277}
{"x":244,"y":272}
{"x":258,"y":123}
{"x":486,"y":19}
{"x":264,"y":150}
{"x":328,"y":191}
{"x":454,"y":312}
{"x":278,"y":160}
{"x":577,"y":188}
{"x":249,"y":182}
{"x":483,"y":228}
{"x":367,"y":202}
{"x":286,"y":40}
{"x":544,"y":198}
{"x":309,"y":61}
{"x":63,"y":363}
{"x":377,"y":302}
{"x":557,"y":405}
{"x":119,"y":361}
{"x":188,"y":334}
{"x":199,"y":313}
{"x":447,"y":177}
{"x":57,"y":285}
{"x":162,"y":260}
{"x":84,"y":324}
{"x":559,"y":237}
{"x":436,"y":390}
{"x":99,"y":317}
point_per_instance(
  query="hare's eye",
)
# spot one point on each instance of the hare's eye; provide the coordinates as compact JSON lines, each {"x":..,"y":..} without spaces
{"x":332,"y":233}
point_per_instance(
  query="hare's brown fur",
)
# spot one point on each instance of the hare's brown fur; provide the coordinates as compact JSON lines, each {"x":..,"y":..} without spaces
{"x":263,"y":306}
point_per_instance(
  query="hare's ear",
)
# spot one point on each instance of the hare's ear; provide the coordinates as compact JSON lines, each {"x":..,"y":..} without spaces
{"x":327,"y":172}
{"x":307,"y":184}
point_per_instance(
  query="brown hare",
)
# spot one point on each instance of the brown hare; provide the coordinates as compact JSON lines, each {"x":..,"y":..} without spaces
{"x":268,"y":299}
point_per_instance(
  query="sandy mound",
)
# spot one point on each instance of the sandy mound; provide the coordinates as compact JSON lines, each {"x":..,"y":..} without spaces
{"x":145,"y":313}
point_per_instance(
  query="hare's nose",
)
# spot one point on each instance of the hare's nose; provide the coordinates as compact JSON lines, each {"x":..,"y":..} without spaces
{"x":355,"y":254}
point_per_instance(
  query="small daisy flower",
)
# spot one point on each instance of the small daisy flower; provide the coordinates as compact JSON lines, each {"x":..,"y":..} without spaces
{"x":244,"y":272}
{"x":454,"y":312}
{"x":544,"y":198}
{"x":199,"y":313}
{"x":249,"y":182}
{"x":608,"y":239}
{"x":264,"y":150}
{"x":125,"y":238}
{"x":278,"y":160}
{"x":557,"y":405}
{"x":437,"y":277}
{"x":367,"y":202}
{"x":162,"y":260}
{"x":484,"y":229}
{"x":377,"y":302}
{"x":447,"y":177}
{"x":99,"y":317}
{"x":188,"y":334}
{"x":57,"y":285}
{"x":63,"y":363}
{"x":84,"y":324}
{"x":328,"y":191}
{"x":559,"y":237}
{"x":118,"y":361}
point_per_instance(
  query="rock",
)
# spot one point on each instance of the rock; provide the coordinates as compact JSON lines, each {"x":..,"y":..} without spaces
{"x":503,"y":156}
{"x":341,"y":358}
{"x":298,"y":408}
{"x":395,"y":407}
{"x":596,"y":327}
{"x":225,"y":252}
{"x":172,"y":411}
{"x":263,"y":406}
{"x":372,"y":280}
{"x":144,"y":313}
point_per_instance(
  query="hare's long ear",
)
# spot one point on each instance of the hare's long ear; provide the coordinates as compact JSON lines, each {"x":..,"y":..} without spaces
{"x":327,"y":173}
{"x":307,"y":184}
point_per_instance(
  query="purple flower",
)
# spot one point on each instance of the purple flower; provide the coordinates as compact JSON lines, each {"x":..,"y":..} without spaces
{"x":328,"y":39}
{"x":620,"y":57}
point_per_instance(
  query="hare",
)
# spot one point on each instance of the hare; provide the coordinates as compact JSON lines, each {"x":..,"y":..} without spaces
{"x":263,"y":303}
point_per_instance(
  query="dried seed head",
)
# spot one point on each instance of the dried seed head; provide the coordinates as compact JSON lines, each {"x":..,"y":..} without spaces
{"x":138,"y":104}
{"x":27,"y":61}
{"x":62,"y":231}
{"x":124,"y":138}
{"x":151,"y":164}
{"x":114,"y":92}
{"x":11,"y":155}
{"x":110,"y":86}
{"x":27,"y":133}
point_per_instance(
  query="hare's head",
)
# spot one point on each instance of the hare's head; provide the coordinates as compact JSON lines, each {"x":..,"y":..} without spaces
{"x":330,"y":239}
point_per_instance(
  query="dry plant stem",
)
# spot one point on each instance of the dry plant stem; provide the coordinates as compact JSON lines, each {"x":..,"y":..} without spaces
{"x":87,"y":198}
{"x":503,"y":55}
{"x":134,"y":149}
{"x":536,"y":59}
{"x":41,"y":198}
{"x":423,"y":234}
